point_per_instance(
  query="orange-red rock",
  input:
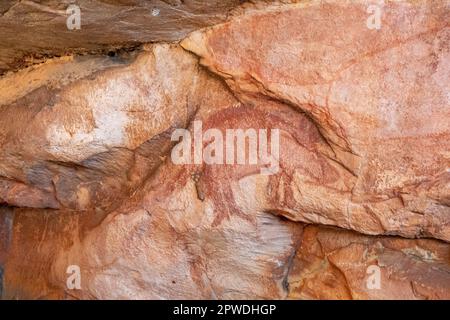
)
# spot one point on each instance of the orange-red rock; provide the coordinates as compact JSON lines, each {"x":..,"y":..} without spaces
{"x":83,"y":133}
{"x":336,"y":264}
{"x":380,"y":98}
{"x":34,"y":31}
{"x":86,"y":176}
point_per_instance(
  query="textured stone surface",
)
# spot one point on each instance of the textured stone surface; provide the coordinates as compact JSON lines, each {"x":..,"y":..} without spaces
{"x":379,"y":98}
{"x":86,"y":176}
{"x":105,"y":25}
{"x":333,"y":264}
{"x":85,"y":133}
{"x":165,"y":240}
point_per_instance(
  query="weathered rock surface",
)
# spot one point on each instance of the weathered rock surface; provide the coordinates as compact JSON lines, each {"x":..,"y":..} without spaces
{"x":335,"y":264}
{"x":105,"y":25}
{"x":88,"y":137}
{"x":174,"y":242}
{"x":87,"y":178}
{"x":380,"y":98}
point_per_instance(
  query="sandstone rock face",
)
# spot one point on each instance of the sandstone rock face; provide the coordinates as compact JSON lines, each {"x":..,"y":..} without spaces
{"x":334,"y":264}
{"x":97,"y":130}
{"x":377,"y":97}
{"x":173,"y":242}
{"x":88,"y":177}
{"x":105,"y":25}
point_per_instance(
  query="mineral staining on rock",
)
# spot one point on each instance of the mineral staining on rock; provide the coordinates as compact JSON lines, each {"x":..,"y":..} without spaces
{"x":377,"y":97}
{"x":105,"y":26}
{"x":334,"y":264}
{"x":359,"y":208}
